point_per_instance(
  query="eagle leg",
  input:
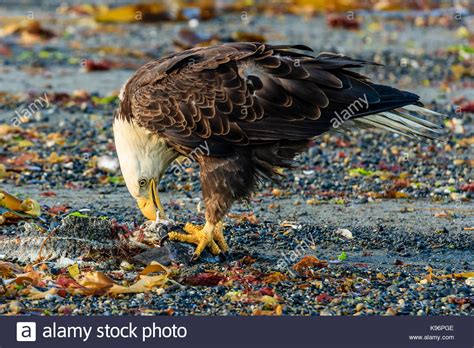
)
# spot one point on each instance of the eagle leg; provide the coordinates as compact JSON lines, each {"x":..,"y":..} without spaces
{"x":218,"y":236}
{"x":201,"y":236}
{"x":223,"y":180}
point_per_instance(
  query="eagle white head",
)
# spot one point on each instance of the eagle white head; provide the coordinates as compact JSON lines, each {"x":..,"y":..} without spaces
{"x":144,"y":157}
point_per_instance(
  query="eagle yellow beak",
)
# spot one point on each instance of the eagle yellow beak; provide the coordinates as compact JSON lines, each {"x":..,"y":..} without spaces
{"x":152,"y":203}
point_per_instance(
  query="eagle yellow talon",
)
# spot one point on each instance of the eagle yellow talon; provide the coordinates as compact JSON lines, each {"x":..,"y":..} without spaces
{"x":203,"y":237}
{"x":218,"y":236}
{"x":191,"y":228}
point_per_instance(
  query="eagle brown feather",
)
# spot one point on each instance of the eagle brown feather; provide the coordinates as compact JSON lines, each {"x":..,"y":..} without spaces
{"x":254,"y":106}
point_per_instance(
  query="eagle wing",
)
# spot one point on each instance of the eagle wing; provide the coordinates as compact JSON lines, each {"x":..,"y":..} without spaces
{"x":240,"y":94}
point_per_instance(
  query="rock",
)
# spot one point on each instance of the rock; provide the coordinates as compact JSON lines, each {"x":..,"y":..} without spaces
{"x":74,"y":238}
{"x":15,"y":307}
{"x":327,"y":313}
{"x":108,"y":163}
{"x":345,"y":233}
{"x":126,"y":266}
{"x":173,"y":252}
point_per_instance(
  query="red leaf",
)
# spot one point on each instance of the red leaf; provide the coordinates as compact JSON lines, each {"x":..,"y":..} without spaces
{"x":58,"y":209}
{"x":267,"y":291}
{"x":103,"y":65}
{"x":205,"y":279}
{"x":324,"y":298}
{"x":342,"y":21}
{"x":48,"y":194}
{"x":309,"y":262}
{"x":62,"y":293}
{"x":468,"y":187}
{"x":66,"y":282}
{"x":468,"y":107}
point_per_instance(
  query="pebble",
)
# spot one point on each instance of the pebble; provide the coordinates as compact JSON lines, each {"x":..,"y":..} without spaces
{"x":345,"y":233}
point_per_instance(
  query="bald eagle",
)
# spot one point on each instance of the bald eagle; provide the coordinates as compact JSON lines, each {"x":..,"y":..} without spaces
{"x":252,"y":107}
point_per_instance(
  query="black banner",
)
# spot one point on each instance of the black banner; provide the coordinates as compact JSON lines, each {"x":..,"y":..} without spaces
{"x":327,"y":332}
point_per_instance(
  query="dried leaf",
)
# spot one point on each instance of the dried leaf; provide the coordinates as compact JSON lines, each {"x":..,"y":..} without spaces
{"x":205,"y":279}
{"x":342,"y":21}
{"x":66,"y":282}
{"x":31,"y":31}
{"x":15,"y":307}
{"x":3,"y":171}
{"x":74,"y":270}
{"x":8,"y":269}
{"x":457,"y":275}
{"x":309,"y":262}
{"x":36,"y":294}
{"x":274,"y":277}
{"x":103,"y":65}
{"x":95,"y":281}
{"x":27,"y":206}
{"x":154,"y":267}
{"x":32,"y":277}
{"x":132,"y":13}
{"x":242,"y":36}
{"x":144,"y":284}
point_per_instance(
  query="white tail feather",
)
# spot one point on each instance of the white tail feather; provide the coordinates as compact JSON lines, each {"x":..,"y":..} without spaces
{"x":406,"y":120}
{"x":422,"y":110}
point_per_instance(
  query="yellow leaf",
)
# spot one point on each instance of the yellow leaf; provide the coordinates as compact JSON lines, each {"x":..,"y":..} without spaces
{"x":385,"y":5}
{"x":32,"y":277}
{"x":36,"y":294}
{"x":31,"y":207}
{"x":323,"y":5}
{"x":28,"y":206}
{"x":7,"y":129}
{"x":3,"y":171}
{"x":55,"y":158}
{"x":15,"y":307}
{"x":458,"y":71}
{"x":8,"y":269}
{"x":144,"y":284}
{"x":463,"y":33}
{"x":457,"y":275}
{"x":25,"y":143}
{"x":279,"y":310}
{"x":269,"y":300}
{"x":56,"y":138}
{"x":274,"y":277}
{"x":9,"y":201}
{"x":131,"y":13}
{"x":375,"y":27}
{"x":95,"y":281}
{"x":399,"y":194}
{"x":154,"y":267}
{"x":74,"y":270}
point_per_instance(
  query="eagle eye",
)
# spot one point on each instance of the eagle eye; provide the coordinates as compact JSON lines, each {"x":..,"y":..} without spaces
{"x":142,"y":182}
